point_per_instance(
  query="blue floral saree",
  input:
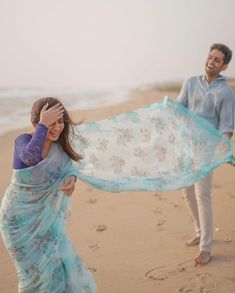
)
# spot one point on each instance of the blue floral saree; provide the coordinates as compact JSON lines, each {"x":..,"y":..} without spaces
{"x":32,"y":221}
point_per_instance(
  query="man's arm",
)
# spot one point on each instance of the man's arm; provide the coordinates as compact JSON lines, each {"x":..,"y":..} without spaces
{"x":183,"y":95}
{"x":226,"y":114}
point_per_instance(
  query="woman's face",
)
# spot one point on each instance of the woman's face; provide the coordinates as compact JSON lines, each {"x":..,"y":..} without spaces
{"x":54,"y":130}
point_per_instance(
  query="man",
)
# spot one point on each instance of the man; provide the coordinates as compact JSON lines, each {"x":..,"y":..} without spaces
{"x":210,"y":97}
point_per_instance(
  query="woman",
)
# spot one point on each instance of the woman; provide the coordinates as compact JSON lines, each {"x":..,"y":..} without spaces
{"x":35,"y":205}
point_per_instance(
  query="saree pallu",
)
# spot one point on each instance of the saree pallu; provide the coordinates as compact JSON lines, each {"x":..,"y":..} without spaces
{"x":162,"y":146}
{"x":32,"y":220}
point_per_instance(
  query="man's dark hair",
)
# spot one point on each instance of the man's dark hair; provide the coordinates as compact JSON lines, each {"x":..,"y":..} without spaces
{"x":225,"y":50}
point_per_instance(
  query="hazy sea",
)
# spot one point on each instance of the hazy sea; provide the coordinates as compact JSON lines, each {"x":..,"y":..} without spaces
{"x":16,"y":103}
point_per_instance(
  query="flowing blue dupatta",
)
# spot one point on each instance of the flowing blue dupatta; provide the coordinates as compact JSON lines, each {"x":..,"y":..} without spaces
{"x":162,"y":146}
{"x":33,"y":215}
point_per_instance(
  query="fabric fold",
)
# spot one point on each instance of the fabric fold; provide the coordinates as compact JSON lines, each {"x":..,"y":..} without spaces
{"x":161,"y":146}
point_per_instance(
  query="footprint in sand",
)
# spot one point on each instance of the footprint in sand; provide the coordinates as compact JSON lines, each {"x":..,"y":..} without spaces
{"x":92,"y":200}
{"x":199,"y":283}
{"x":163,"y":273}
{"x":175,"y":205}
{"x":159,"y":196}
{"x":94,"y":246}
{"x":101,"y":228}
{"x":160,"y":273}
{"x":160,"y":224}
{"x":231,"y":195}
{"x":93,"y":270}
{"x":216,"y":185}
{"x":232,"y":279}
{"x":157,"y":211}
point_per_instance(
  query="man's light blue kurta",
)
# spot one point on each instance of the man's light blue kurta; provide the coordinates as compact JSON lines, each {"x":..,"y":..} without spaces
{"x":214,"y":101}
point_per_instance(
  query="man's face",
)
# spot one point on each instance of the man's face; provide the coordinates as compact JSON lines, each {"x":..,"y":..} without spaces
{"x":215,"y":63}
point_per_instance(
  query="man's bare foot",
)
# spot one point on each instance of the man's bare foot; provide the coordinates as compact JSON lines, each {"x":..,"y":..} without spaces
{"x":203,"y":258}
{"x":193,"y":241}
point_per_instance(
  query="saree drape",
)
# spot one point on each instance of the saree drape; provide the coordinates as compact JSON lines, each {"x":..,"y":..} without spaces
{"x":32,"y":220}
{"x":161,"y":146}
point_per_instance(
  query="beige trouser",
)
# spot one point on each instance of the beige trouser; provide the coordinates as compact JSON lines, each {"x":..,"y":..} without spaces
{"x":198,"y":201}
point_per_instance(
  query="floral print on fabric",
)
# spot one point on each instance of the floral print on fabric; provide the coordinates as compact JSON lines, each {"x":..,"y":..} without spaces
{"x":159,"y":147}
{"x":32,"y":221}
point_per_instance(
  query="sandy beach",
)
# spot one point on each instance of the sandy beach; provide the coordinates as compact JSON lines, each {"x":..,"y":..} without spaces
{"x":133,"y":242}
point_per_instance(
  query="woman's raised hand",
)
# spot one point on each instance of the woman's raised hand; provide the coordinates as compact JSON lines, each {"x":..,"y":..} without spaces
{"x":51,"y":115}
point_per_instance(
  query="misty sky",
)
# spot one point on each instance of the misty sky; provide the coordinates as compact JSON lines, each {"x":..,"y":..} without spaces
{"x":110,"y":43}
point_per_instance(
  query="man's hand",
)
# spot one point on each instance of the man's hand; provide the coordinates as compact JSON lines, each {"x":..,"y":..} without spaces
{"x":229,"y":135}
{"x":231,"y":163}
{"x":69,"y":185}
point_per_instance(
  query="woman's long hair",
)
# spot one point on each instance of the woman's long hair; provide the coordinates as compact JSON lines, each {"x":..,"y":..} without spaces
{"x":68,"y":131}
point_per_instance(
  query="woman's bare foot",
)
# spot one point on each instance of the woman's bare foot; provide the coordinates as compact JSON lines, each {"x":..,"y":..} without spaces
{"x":203,"y":258}
{"x":193,"y":241}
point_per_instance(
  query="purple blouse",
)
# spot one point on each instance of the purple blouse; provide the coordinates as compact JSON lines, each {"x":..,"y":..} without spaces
{"x":28,"y":148}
